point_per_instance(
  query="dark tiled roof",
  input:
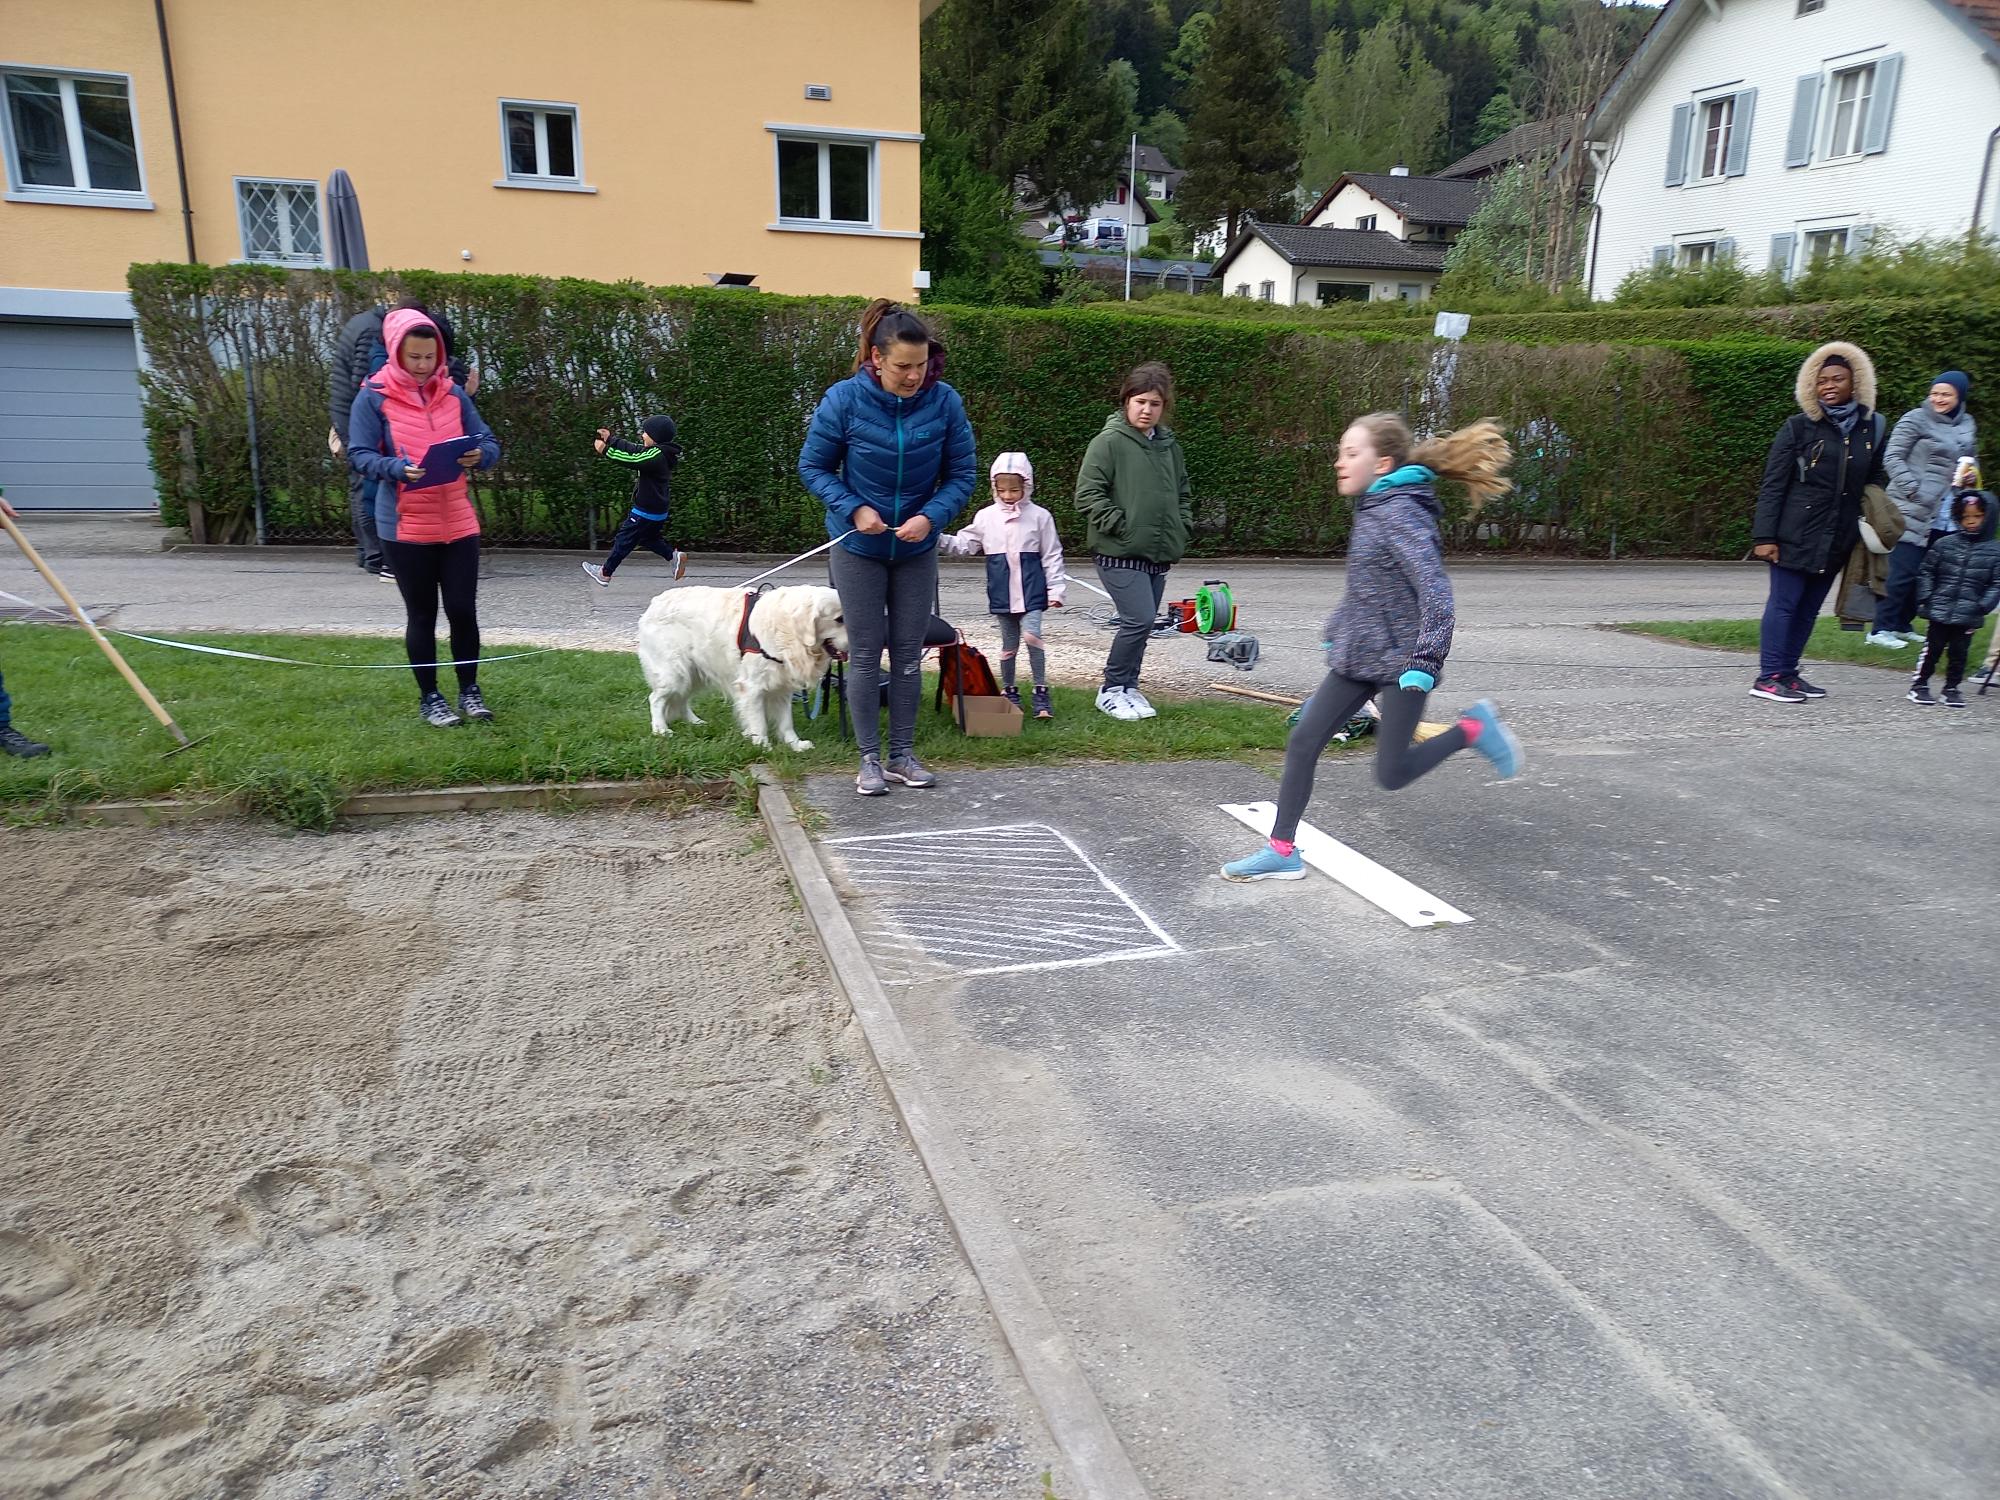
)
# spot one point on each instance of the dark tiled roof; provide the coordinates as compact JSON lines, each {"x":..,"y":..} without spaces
{"x":1522,"y":141}
{"x":1427,"y":200}
{"x":1355,"y":249}
{"x":1152,"y":159}
{"x":1985,"y":14}
{"x":1423,"y":200}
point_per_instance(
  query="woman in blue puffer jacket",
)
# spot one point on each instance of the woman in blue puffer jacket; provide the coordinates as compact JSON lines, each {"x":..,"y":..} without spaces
{"x":890,"y":454}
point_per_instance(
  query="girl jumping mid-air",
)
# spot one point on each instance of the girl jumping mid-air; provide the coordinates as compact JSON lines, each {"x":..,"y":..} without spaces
{"x":1389,"y":638}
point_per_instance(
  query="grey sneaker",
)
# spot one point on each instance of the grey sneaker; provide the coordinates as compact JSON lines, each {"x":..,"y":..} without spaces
{"x":437,"y":713}
{"x":473,"y":705}
{"x":905,"y":768}
{"x":597,"y":575}
{"x":871,"y":783}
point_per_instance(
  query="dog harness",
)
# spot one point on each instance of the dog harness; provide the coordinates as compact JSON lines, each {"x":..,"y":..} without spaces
{"x":746,"y":642}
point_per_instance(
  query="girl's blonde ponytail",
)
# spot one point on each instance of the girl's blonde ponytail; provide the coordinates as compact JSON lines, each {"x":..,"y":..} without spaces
{"x":1475,"y":456}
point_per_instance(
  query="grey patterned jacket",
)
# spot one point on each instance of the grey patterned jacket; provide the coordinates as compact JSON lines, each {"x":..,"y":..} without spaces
{"x":1922,"y":453}
{"x":1397,"y":614}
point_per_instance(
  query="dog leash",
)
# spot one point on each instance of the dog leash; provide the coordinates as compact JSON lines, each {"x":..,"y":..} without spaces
{"x":824,"y":546}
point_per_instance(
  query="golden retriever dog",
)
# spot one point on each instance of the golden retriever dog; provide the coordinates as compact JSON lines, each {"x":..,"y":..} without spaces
{"x":688,"y":640}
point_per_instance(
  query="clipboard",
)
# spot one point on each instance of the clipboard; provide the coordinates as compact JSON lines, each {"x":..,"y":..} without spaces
{"x":441,"y":465}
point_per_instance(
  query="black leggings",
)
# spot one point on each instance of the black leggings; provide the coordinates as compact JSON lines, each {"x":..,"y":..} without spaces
{"x":1951,"y":644}
{"x":1398,"y":761}
{"x":426,"y":572}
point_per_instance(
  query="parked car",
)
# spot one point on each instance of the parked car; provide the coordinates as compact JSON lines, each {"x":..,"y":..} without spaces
{"x":1081,"y":233}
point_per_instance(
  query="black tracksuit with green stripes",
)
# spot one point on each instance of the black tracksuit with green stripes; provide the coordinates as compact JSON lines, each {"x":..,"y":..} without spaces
{"x":645,"y":524}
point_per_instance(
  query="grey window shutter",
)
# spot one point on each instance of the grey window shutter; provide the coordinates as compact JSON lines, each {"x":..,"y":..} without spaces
{"x":1882,"y":108}
{"x":1677,"y":145}
{"x":1663,"y":255}
{"x":1725,"y":249}
{"x":1781,"y":254}
{"x":1805,"y":118}
{"x":1858,"y":238}
{"x":1739,"y":134}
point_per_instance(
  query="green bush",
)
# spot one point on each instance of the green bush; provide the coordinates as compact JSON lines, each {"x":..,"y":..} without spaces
{"x":1623,"y":448}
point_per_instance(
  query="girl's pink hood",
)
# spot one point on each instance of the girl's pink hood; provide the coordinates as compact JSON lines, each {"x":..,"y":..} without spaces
{"x":395,"y":328}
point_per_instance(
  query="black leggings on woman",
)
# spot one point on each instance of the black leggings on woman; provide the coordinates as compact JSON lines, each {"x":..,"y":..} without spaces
{"x":1398,"y":761}
{"x":426,"y":572}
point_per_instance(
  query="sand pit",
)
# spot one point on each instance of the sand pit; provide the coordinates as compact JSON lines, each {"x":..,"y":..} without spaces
{"x":518,"y":1155}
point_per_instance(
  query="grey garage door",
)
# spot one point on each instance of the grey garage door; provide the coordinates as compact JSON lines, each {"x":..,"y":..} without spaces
{"x":71,"y":437}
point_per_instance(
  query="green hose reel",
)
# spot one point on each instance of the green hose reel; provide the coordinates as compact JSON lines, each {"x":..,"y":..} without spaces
{"x":1214,"y":608}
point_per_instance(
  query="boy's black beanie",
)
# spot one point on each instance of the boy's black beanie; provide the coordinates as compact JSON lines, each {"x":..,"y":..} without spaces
{"x":659,"y":428}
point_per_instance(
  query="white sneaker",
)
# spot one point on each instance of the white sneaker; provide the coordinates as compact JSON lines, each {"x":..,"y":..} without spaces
{"x":1911,"y":636}
{"x":1887,"y":638}
{"x":1114,"y":702}
{"x":596,"y":575}
{"x":1142,"y":709}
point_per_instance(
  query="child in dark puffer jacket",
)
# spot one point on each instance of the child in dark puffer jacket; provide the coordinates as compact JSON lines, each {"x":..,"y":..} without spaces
{"x":1958,"y":589}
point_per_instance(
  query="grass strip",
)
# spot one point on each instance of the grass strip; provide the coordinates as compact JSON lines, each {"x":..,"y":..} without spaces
{"x":292,"y":740}
{"x":1829,"y":642}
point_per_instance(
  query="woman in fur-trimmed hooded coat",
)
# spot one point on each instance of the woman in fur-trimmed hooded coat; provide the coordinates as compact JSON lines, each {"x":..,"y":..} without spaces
{"x":1809,"y":507}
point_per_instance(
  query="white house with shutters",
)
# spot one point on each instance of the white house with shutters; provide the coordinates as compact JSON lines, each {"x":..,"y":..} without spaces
{"x":1778,"y":132}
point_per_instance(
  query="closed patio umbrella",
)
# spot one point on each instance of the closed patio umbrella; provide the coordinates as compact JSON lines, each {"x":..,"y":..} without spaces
{"x":347,"y":246}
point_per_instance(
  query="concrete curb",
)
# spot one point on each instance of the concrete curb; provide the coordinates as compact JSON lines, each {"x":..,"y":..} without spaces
{"x":1068,"y":1404}
{"x":407,"y":804}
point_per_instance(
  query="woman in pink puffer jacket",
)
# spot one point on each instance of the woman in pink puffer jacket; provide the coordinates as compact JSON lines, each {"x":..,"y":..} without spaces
{"x":430,"y":536}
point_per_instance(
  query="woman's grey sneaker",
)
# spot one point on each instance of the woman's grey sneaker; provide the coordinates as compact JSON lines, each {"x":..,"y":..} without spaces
{"x":871,"y":782}
{"x":437,"y":713}
{"x":1776,"y":689}
{"x":906,"y":769}
{"x":1921,"y":693}
{"x":16,"y":743}
{"x":472,"y":705}
{"x":680,"y":566}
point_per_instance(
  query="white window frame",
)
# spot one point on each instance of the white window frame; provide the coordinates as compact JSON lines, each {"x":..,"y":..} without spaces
{"x":1267,"y":291}
{"x":824,"y":219}
{"x":1366,"y":221}
{"x":1696,"y":254}
{"x":1698,"y":137}
{"x":1808,"y":233}
{"x":242,"y":229}
{"x":1810,"y":7}
{"x":1242,"y":289}
{"x":1830,"y":107}
{"x":539,"y":181}
{"x":824,"y":136}
{"x":77,"y":197}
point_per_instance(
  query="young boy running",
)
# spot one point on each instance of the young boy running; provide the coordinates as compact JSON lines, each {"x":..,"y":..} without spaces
{"x":652,"y":461}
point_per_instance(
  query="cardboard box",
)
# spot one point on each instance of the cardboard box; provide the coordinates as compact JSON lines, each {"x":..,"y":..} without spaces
{"x":987,"y":718}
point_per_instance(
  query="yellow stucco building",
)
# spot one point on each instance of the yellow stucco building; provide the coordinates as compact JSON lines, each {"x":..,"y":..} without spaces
{"x":665,"y":141}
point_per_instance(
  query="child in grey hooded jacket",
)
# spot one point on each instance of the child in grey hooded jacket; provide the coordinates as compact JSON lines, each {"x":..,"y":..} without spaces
{"x":1389,"y":638}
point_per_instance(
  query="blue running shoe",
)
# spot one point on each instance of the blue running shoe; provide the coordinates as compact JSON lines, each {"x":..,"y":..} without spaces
{"x":1266,"y":864}
{"x":1496,"y":741}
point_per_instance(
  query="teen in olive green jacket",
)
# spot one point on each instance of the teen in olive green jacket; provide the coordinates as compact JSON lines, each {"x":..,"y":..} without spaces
{"x":1133,"y":490}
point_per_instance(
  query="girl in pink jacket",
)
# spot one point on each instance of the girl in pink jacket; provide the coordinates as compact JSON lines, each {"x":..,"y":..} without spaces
{"x":1024,"y":570}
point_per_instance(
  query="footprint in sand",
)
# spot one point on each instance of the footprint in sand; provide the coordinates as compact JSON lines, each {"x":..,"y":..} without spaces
{"x":307,"y":1198}
{"x":41,"y":1280}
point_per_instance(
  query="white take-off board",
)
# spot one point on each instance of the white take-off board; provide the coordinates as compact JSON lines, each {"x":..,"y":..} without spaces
{"x":1408,"y":903}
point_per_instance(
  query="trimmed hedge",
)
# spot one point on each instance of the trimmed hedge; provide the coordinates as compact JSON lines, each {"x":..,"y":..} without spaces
{"x":1623,"y":449}
{"x":1911,"y":340}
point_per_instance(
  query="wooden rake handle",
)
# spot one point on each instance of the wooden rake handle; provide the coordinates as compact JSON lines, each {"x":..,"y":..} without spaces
{"x":145,"y":695}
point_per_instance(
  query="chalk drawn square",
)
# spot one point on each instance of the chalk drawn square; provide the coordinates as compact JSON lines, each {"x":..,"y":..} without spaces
{"x":1000,"y":900}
